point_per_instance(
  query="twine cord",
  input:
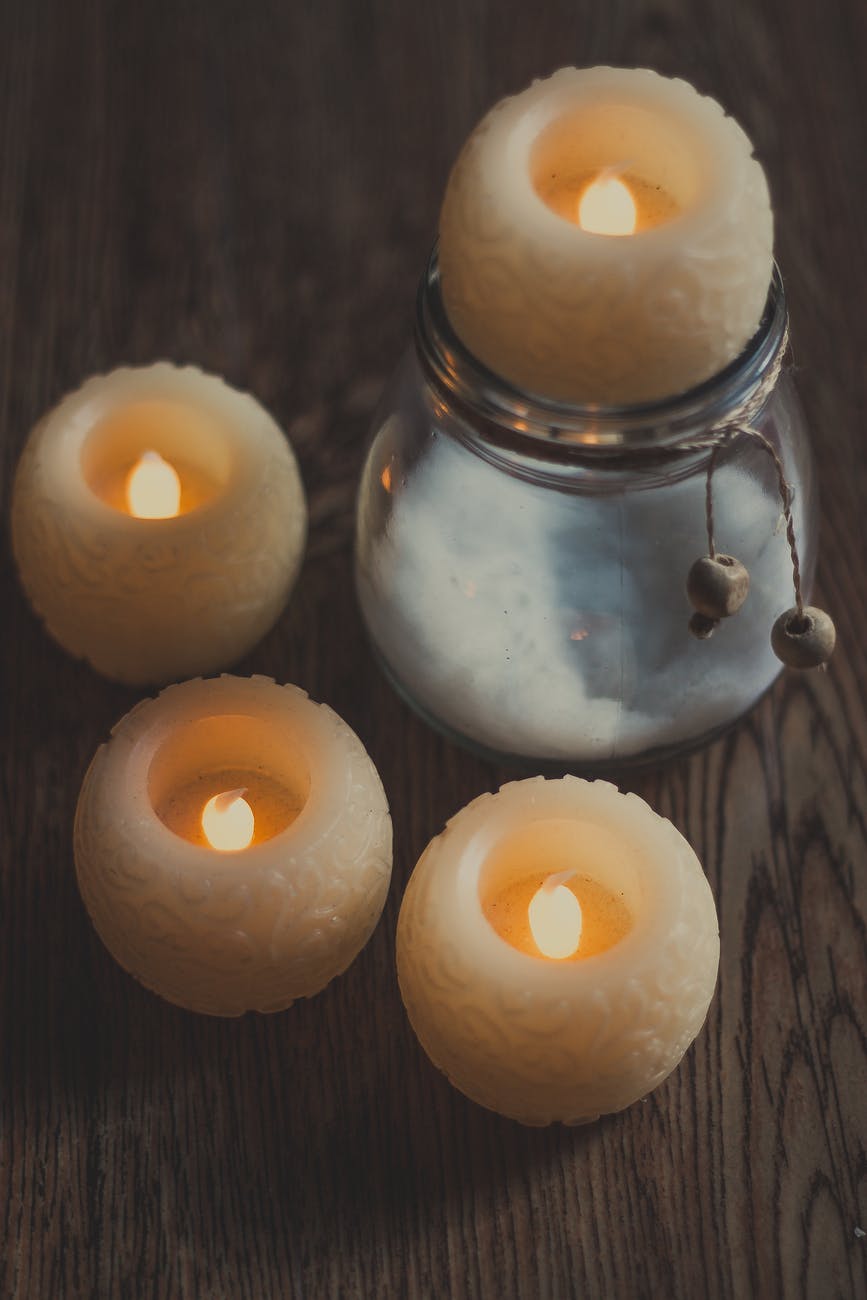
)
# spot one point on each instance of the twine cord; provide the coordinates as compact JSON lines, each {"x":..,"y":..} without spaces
{"x":708,"y":496}
{"x":725,"y":434}
{"x":729,"y":432}
{"x":727,"y":439}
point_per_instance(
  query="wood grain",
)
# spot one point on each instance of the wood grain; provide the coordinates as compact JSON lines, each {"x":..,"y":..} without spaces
{"x":254,"y":188}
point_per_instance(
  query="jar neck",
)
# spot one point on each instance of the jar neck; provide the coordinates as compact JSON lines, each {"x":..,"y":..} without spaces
{"x":506,"y":417}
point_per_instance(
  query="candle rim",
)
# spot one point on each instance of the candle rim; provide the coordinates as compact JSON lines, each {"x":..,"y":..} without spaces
{"x":65,"y":429}
{"x":539,"y":798}
{"x":206,"y":855}
{"x":522,"y":118}
{"x":501,"y":405}
{"x":605,"y":247}
{"x":148,"y":726}
{"x":140,"y":392}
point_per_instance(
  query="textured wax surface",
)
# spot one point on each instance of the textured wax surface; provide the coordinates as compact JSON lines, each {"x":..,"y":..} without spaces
{"x":227,"y":933}
{"x":563,"y":313}
{"x":155,"y":600}
{"x":574,"y":1049}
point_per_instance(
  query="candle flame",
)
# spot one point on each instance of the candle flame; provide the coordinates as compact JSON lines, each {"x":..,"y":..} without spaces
{"x":228,"y":821}
{"x":153,"y":489}
{"x":607,"y":207}
{"x":555,"y":917}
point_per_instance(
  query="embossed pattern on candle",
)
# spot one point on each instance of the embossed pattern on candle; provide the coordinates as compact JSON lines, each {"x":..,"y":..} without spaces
{"x":543,"y":1040}
{"x":561,"y":313}
{"x":155,"y":600}
{"x":224,"y":933}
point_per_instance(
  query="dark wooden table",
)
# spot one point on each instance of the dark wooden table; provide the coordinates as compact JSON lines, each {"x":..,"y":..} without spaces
{"x":255,"y":188}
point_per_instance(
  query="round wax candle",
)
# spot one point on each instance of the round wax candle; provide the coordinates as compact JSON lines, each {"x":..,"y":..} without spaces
{"x":158,"y":523}
{"x":543,"y":296}
{"x":626,"y":915}
{"x":298,"y":879}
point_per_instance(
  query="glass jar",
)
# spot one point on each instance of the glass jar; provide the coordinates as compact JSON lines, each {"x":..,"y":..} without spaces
{"x":521,"y":564}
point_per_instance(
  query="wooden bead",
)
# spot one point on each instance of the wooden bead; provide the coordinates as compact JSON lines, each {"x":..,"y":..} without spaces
{"x":702,"y":627}
{"x":804,"y":640}
{"x":718,"y":586}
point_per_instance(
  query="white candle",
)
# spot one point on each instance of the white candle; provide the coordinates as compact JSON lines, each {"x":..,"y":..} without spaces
{"x":674,"y":290}
{"x":233,"y":845}
{"x":591,"y":1030}
{"x":158,"y":522}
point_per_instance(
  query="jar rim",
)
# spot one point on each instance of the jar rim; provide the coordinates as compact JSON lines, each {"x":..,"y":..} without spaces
{"x":508,"y":416}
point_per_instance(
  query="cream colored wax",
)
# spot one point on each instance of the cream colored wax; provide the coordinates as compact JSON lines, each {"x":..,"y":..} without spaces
{"x":224,"y":930}
{"x":601,"y":1023}
{"x":571,"y":313}
{"x":158,"y":523}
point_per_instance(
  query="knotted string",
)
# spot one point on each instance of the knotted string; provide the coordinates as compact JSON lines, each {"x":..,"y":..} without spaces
{"x":726,"y":434}
{"x":727,"y":439}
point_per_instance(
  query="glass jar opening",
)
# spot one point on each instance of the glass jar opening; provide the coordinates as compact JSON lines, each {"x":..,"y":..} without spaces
{"x":508,"y":417}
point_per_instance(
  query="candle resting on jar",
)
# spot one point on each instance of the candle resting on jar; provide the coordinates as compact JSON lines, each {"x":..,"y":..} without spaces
{"x":522,"y":564}
{"x":600,"y":314}
{"x":606,"y":236}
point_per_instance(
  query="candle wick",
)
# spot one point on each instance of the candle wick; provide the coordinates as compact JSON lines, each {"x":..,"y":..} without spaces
{"x":224,"y":801}
{"x":615,"y":170}
{"x":558,"y":878}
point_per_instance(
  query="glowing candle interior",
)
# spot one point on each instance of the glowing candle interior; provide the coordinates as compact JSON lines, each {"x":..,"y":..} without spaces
{"x":605,"y":200}
{"x":228,"y":821}
{"x":158,"y":457}
{"x":607,"y":207}
{"x":567,"y":915}
{"x":153,"y":488}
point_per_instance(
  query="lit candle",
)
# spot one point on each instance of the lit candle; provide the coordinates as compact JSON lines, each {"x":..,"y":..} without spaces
{"x":606,"y":236}
{"x":557,"y":949}
{"x":158,"y":522}
{"x":233,"y":845}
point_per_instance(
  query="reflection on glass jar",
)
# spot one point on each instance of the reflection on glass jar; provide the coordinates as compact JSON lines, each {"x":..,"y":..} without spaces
{"x":521,"y":564}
